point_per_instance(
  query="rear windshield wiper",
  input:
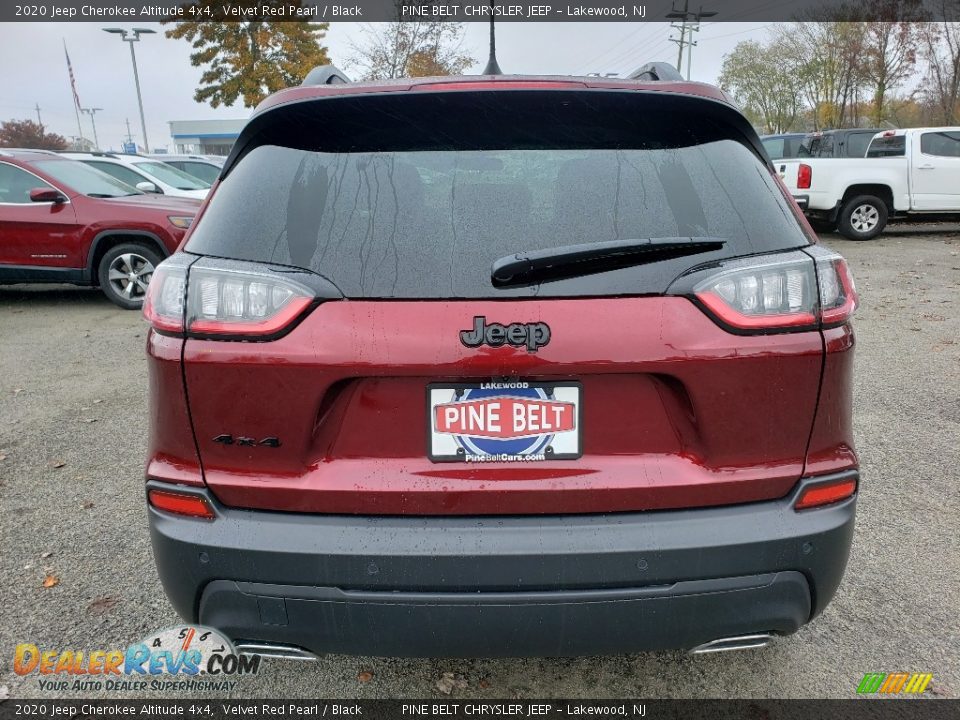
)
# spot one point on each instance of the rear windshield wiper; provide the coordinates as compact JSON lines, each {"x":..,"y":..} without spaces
{"x":527,"y":268}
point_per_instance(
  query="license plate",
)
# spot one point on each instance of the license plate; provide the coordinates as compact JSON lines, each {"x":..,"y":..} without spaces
{"x":512,"y":421}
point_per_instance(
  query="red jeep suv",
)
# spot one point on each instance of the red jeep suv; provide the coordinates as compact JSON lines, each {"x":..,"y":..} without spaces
{"x":500,"y":366}
{"x":64,"y":222}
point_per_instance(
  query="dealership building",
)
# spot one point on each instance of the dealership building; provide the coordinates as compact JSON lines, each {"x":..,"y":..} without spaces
{"x":205,"y":137}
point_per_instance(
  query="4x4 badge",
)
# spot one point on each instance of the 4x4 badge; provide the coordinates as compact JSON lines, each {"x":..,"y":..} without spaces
{"x":247,"y":441}
{"x":532,"y":335}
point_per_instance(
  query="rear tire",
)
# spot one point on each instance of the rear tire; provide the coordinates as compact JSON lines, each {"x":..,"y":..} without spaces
{"x":862,"y":217}
{"x":124,"y":273}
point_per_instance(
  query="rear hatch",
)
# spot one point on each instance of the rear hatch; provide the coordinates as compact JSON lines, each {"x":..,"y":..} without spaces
{"x":413,"y":379}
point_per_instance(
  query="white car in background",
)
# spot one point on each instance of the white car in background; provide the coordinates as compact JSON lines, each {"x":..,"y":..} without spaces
{"x":145,"y":173}
{"x":204,"y":167}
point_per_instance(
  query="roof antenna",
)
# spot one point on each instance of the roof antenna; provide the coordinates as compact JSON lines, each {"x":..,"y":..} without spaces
{"x":492,"y":67}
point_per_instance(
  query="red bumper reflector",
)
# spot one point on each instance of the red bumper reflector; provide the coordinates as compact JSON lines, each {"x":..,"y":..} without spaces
{"x":181,"y":504}
{"x":826,"y":494}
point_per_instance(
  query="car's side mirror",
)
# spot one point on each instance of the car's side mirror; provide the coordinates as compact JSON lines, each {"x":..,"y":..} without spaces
{"x":47,"y":195}
{"x":148,"y":187}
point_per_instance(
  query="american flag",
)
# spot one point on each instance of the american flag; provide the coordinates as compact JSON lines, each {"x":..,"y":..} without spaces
{"x":73,"y":81}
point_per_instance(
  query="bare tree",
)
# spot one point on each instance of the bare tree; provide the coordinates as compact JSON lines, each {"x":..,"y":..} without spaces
{"x":825,"y":58}
{"x":940,"y":46}
{"x":889,"y":49}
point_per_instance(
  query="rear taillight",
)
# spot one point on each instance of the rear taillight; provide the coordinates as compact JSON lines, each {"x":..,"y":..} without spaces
{"x":778,"y":293}
{"x":838,"y":294}
{"x":804,"y":176}
{"x":229,"y":302}
{"x":224,"y":302}
{"x":164,"y":304}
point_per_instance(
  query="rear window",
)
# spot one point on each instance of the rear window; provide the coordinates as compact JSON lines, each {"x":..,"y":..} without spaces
{"x":775,"y":147}
{"x":430,"y":223}
{"x":857,"y":144}
{"x":889,"y":146}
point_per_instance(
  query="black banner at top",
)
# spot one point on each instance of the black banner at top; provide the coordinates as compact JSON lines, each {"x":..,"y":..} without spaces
{"x":466,"y":709}
{"x":476,"y":10}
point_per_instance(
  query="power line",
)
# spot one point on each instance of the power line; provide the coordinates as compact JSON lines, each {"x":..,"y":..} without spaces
{"x":689,"y":24}
{"x":589,"y":63}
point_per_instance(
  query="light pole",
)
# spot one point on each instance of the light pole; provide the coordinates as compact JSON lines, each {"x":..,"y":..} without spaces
{"x":91,"y":112}
{"x":131,"y":37}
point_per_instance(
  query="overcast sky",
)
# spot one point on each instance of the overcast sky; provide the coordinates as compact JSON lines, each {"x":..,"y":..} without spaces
{"x":34,"y":68}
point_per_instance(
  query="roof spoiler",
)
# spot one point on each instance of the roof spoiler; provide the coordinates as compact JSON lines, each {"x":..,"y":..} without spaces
{"x":656,"y":71}
{"x":325,"y":75}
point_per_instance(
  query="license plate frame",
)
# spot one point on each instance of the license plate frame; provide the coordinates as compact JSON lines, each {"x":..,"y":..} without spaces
{"x":456,"y":448}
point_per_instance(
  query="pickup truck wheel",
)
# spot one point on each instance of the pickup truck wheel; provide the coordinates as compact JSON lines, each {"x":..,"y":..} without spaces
{"x":125,"y":273}
{"x":862,"y":217}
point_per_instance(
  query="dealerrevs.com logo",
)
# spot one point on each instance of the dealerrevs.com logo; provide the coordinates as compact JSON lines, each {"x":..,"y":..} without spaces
{"x":894,"y":683}
{"x":183,"y":653}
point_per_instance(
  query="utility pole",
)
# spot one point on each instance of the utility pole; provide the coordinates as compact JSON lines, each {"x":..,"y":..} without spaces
{"x":689,"y":24}
{"x":129,"y":136}
{"x":91,"y":112}
{"x":39,"y":121}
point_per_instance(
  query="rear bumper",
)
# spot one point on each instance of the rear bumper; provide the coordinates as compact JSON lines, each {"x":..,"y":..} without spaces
{"x":503,"y":586}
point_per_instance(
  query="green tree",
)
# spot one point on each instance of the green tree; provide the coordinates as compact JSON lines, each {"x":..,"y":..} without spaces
{"x":761,"y":81}
{"x":249,"y":59}
{"x":411,"y":48}
{"x":28,"y":134}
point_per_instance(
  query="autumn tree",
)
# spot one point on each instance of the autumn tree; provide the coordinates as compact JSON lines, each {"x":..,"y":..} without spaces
{"x":762,"y":83}
{"x":28,"y":134}
{"x":411,"y":48}
{"x":249,"y":59}
{"x":891,"y":37}
{"x":826,"y":60}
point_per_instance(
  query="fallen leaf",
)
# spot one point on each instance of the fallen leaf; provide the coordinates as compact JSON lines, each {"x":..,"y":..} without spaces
{"x":448,"y":681}
{"x":89,"y":420}
{"x":56,"y":463}
{"x":364,"y":676}
{"x":87,"y":504}
{"x":102,"y":604}
{"x":445,"y":684}
{"x":17,"y":391}
{"x":2,"y":456}
{"x":50,"y":581}
{"x":484,"y":683}
{"x":97,"y":402}
{"x":45,"y":555}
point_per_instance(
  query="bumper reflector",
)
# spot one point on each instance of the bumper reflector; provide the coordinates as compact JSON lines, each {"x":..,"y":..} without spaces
{"x":826,"y":493}
{"x":181,"y":504}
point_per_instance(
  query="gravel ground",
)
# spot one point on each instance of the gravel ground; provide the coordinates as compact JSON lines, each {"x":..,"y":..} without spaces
{"x":72,"y":444}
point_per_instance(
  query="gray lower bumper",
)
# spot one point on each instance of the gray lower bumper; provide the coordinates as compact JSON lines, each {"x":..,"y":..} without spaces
{"x":503,"y":586}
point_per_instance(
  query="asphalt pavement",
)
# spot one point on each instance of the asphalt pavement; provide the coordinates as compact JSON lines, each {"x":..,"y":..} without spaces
{"x":76,"y":570}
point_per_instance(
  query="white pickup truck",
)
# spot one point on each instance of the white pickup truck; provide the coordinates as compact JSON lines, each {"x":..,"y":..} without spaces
{"x":907,"y":174}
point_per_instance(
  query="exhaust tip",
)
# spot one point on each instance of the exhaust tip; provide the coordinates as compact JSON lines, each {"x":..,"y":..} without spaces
{"x":737,"y":642}
{"x":270,"y":650}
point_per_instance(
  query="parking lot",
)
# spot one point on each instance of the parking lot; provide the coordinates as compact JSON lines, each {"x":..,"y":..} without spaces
{"x":73,"y":430}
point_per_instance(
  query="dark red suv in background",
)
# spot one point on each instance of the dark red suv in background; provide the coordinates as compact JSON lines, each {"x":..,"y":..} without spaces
{"x":500,"y":366}
{"x":64,"y":222}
